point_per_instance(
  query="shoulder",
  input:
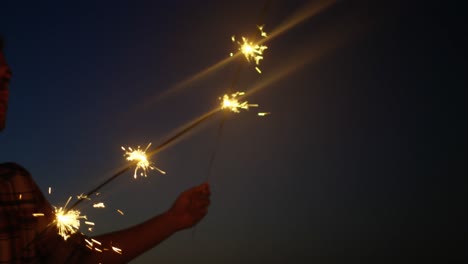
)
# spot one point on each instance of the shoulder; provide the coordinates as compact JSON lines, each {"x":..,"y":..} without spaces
{"x":9,"y":170}
{"x":17,"y":185}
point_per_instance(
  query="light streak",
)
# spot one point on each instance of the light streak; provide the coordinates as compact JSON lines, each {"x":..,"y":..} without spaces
{"x":38,"y":214}
{"x":67,"y":221}
{"x":120,"y":212}
{"x":139,"y":156}
{"x":231,"y":102}
{"x":263,"y":113}
{"x":50,"y":190}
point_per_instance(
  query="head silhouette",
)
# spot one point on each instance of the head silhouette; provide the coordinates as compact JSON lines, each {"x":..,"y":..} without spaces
{"x":5,"y":77}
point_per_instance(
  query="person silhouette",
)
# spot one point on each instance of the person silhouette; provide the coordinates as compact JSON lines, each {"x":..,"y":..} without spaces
{"x":25,"y":238}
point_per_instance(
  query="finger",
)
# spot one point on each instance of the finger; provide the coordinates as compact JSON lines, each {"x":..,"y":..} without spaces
{"x":199,"y":204}
{"x":200,"y":214}
{"x":204,"y":188}
{"x":204,"y":203}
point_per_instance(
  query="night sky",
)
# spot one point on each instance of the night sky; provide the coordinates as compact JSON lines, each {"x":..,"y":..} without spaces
{"x":360,"y":159}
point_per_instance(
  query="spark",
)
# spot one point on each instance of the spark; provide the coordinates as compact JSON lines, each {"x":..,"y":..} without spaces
{"x":99,"y":205}
{"x":118,"y":250}
{"x":95,"y":241}
{"x":88,"y":242}
{"x":232,"y":103}
{"x":38,"y":214}
{"x":251,"y":50}
{"x":50,"y":190}
{"x":262,"y":33}
{"x":82,"y":197}
{"x":67,"y":221}
{"x":140,"y":157}
{"x":20,"y":196}
{"x":120,"y":212}
{"x":263,"y":113}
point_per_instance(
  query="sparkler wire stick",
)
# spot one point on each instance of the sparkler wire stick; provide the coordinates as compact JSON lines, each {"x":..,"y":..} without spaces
{"x":159,"y":148}
{"x":184,"y":130}
{"x":264,"y":12}
{"x":122,"y":171}
{"x":213,"y":154}
{"x":235,"y":80}
{"x":230,"y":89}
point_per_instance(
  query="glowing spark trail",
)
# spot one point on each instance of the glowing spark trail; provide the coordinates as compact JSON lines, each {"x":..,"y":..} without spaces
{"x":99,"y":205}
{"x":251,"y":50}
{"x":231,"y":102}
{"x":117,"y":250}
{"x":82,"y":197}
{"x":67,"y":221}
{"x":262,"y":33}
{"x":139,"y":155}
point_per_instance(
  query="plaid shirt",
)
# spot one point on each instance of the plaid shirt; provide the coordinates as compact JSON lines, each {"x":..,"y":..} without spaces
{"x":25,"y":238}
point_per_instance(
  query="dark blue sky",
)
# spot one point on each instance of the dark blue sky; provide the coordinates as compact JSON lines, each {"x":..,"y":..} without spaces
{"x":355,"y":161}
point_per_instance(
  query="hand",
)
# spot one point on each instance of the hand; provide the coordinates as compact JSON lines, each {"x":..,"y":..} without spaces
{"x":190,"y":207}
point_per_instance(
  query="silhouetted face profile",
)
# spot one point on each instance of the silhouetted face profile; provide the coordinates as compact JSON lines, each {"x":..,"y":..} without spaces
{"x":5,"y":77}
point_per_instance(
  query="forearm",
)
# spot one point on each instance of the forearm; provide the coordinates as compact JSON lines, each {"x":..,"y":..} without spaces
{"x":188,"y":209}
{"x":134,"y":241}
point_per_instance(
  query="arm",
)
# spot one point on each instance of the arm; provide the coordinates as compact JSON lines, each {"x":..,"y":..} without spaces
{"x":189,"y":208}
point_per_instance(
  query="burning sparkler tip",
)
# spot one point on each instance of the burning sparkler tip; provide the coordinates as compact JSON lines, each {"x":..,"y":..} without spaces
{"x":231,"y":102}
{"x":139,"y":156}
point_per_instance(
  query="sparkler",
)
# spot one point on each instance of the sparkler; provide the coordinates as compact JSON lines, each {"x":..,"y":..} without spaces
{"x":252,"y":51}
{"x":159,"y":148}
{"x":68,"y":221}
{"x":141,"y":159}
{"x":232,"y":103}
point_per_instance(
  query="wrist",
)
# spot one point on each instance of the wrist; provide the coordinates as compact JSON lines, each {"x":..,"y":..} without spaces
{"x":171,"y":221}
